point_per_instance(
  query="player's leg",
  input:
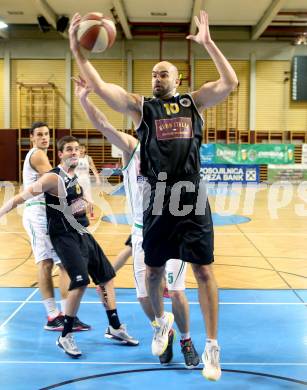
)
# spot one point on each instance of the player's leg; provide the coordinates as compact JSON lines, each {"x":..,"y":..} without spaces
{"x":175,"y":278}
{"x":64,"y":282}
{"x":35,"y":224}
{"x":123,"y":255}
{"x":103,"y":274}
{"x":139,"y":270}
{"x":72,"y":251}
{"x":163,"y":320}
{"x":208,"y":299}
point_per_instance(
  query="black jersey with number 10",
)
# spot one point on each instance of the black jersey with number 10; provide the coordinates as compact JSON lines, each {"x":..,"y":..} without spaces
{"x":170,"y":134}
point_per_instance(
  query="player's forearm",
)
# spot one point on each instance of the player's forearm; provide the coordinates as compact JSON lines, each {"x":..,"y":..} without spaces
{"x":123,"y":141}
{"x":14,"y":202}
{"x":115,"y":96}
{"x":98,"y":119}
{"x":225,"y":70}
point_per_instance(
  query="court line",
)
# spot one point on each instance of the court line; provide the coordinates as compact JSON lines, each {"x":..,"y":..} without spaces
{"x":143,"y":363}
{"x":169,"y":303}
{"x":266,"y":258}
{"x":136,"y":371}
{"x":18,"y":309}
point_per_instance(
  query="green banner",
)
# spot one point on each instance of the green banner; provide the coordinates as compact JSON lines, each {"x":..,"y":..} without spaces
{"x":254,"y":154}
{"x":294,"y":173}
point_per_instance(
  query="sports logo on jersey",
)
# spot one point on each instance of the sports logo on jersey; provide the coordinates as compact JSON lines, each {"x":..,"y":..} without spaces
{"x":185,"y":102}
{"x":78,"y":189}
{"x":174,"y":128}
{"x":141,"y":179}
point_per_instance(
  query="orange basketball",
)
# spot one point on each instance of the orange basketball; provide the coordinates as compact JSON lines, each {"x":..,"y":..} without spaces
{"x":96,"y":32}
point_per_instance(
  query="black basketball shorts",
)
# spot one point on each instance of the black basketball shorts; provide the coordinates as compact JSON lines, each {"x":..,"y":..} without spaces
{"x":168,"y":236}
{"x":82,"y":257}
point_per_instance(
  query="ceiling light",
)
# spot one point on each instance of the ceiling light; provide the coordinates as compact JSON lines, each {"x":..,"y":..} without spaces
{"x":3,"y":25}
{"x":158,"y":13}
{"x":301,"y":40}
{"x":15,"y":12}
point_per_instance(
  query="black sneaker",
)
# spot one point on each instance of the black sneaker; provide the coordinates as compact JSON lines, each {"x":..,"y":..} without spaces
{"x":167,"y":356}
{"x":55,"y":324}
{"x":80,"y":326}
{"x":190,"y":354}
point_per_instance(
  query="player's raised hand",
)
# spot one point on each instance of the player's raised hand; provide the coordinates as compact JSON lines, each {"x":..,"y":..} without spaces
{"x":72,"y":32}
{"x":81,"y":88}
{"x":203,"y":35}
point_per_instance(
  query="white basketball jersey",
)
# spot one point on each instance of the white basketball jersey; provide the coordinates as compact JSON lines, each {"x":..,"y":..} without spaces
{"x":30,"y":176}
{"x":83,"y":167}
{"x":134,"y":182}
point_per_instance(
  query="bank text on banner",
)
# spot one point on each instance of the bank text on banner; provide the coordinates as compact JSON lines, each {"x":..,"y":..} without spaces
{"x":230,"y":173}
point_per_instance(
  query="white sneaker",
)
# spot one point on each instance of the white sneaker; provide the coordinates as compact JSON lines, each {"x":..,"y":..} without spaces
{"x":211,"y":359}
{"x":69,"y":345}
{"x":160,"y":339}
{"x":120,"y":334}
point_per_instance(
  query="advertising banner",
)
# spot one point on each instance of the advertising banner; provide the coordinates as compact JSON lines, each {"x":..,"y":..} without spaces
{"x":207,"y":153}
{"x":230,"y":173}
{"x":254,"y":154}
{"x":293,"y":173}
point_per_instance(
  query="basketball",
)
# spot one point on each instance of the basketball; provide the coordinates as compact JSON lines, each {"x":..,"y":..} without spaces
{"x":96,"y":32}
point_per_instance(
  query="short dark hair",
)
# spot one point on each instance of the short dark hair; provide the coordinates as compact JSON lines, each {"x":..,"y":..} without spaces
{"x":36,"y":125}
{"x":65,"y":140}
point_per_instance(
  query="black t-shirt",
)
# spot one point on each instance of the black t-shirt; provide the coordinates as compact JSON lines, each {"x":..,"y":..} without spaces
{"x":170,"y":134}
{"x":66,"y":214}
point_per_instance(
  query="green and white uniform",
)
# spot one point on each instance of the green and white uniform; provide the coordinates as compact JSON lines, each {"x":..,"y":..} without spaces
{"x":35,"y":218}
{"x":135,"y":184}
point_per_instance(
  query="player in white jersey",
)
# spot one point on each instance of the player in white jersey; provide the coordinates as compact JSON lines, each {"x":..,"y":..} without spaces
{"x":86,"y":164}
{"x":35,"y":223}
{"x":175,"y":269}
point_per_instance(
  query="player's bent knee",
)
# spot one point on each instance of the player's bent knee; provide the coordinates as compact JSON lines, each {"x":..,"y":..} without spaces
{"x":177,"y":295}
{"x":203,"y":273}
{"x":154,"y":273}
{"x":143,"y":299}
{"x":45,"y":265}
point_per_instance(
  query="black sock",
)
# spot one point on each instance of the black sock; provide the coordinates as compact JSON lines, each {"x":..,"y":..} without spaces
{"x":68,"y":324}
{"x":113,"y":318}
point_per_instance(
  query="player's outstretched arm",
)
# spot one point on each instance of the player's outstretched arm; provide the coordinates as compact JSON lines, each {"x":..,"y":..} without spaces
{"x":114,"y":95}
{"x":214,"y":92}
{"x":123,"y":141}
{"x":47,"y":183}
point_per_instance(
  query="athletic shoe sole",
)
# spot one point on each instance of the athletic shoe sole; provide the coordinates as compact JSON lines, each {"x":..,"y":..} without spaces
{"x":69,"y":354}
{"x":125,"y":342}
{"x":54,"y":329}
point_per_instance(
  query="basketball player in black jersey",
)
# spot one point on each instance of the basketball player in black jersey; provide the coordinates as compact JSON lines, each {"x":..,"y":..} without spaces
{"x":79,"y":252}
{"x":177,"y":223}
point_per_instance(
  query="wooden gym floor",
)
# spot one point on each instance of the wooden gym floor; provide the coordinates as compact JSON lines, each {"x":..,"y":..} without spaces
{"x":267,"y":252}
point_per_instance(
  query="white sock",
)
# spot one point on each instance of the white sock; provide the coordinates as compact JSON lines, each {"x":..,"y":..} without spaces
{"x":63,"y":305}
{"x":161,"y":320}
{"x":211,"y":343}
{"x":51,"y":307}
{"x":185,"y":336}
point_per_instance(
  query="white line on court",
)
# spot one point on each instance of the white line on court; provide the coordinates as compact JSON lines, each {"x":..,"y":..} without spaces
{"x":143,"y":363}
{"x":169,"y":303}
{"x":18,"y":308}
